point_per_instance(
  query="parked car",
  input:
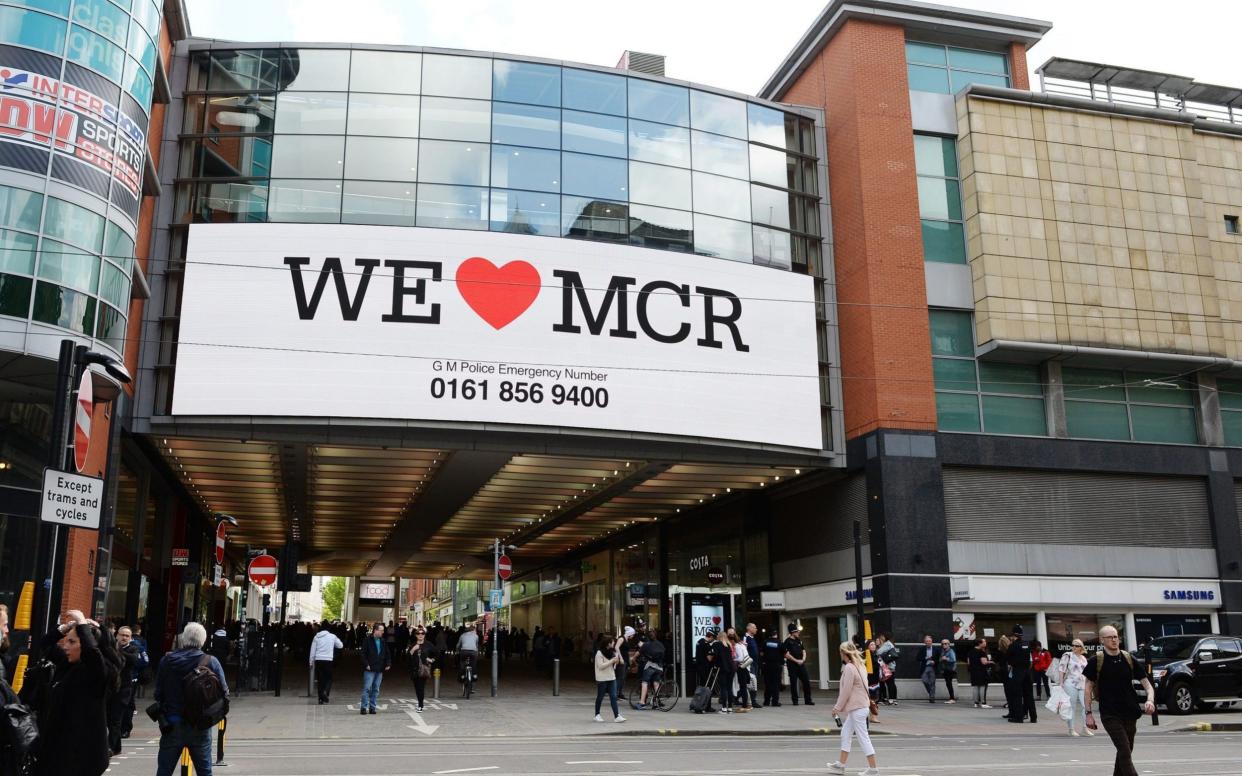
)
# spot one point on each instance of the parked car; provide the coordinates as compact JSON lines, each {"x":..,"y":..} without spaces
{"x":1196,"y":671}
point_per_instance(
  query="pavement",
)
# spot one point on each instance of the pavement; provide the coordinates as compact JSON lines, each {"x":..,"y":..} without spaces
{"x":293,"y":734}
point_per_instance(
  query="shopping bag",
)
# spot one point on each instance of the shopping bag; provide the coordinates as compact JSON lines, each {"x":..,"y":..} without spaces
{"x":784,"y":676}
{"x":1059,"y":703}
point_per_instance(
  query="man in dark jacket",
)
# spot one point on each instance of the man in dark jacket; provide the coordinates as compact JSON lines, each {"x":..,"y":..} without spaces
{"x":220,"y":645}
{"x":773,"y":659}
{"x":1018,"y":658}
{"x":703,"y":656}
{"x":928,"y":656}
{"x":795,"y":656}
{"x":376,"y":659}
{"x":121,"y":703}
{"x":175,"y":732}
{"x":752,"y":649}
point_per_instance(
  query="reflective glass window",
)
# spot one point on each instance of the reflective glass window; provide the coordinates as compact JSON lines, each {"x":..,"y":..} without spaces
{"x":594,"y":176}
{"x":655,"y":184}
{"x":663,"y":103}
{"x":527,"y":125}
{"x":15,"y":295}
{"x":1096,"y":420}
{"x":304,"y":201}
{"x":372,"y":202}
{"x":138,"y":84}
{"x":659,"y":143}
{"x":310,"y":113}
{"x":595,"y":92}
{"x":719,"y":114}
{"x":148,"y":15}
{"x":464,"y":164}
{"x":74,"y":224}
{"x":69,"y":266}
{"x":722,"y":238}
{"x":315,"y":70}
{"x":594,"y":219}
{"x":653,"y":227}
{"x":229,"y":113}
{"x":226,"y":203}
{"x":940,"y":198}
{"x":33,"y":29}
{"x":525,"y":212}
{"x":111,"y":328}
{"x":381,"y":158}
{"x":244,"y":70}
{"x":719,"y":196}
{"x":118,"y":246}
{"x":142,"y":48}
{"x":951,"y":333}
{"x":449,"y":119}
{"x":20,"y":208}
{"x":928,"y":79}
{"x":526,"y":82}
{"x":769,"y":206}
{"x":957,"y":411}
{"x":592,"y":133}
{"x":64,"y":307}
{"x":1013,"y":415}
{"x":452,"y":207}
{"x":944,"y":241}
{"x":765,"y":125}
{"x":925,"y":53}
{"x":96,"y":52}
{"x":934,"y":155}
{"x":995,"y":377}
{"x":450,"y":76}
{"x":960,"y":79}
{"x":17,"y":252}
{"x":397,"y":72}
{"x":114,"y":285}
{"x":1095,"y":384}
{"x":536,"y":169}
{"x":768,"y":165}
{"x":307,"y":156}
{"x":54,"y":6}
{"x":773,"y":248}
{"x":102,"y":17}
{"x":719,"y":155}
{"x":955,"y":374}
{"x":979,"y":61}
{"x":383,"y":114}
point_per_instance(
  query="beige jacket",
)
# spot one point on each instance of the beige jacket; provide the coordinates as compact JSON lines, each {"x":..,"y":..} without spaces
{"x":605,"y":668}
{"x":853,"y":691}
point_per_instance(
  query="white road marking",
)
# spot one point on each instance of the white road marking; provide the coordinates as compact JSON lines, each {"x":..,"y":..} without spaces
{"x":469,"y":770}
{"x":603,"y":762}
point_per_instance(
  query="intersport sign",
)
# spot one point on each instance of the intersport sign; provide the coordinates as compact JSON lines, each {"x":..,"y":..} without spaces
{"x":446,"y":325}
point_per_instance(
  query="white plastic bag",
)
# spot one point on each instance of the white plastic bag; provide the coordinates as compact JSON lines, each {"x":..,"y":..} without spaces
{"x":1059,"y":703}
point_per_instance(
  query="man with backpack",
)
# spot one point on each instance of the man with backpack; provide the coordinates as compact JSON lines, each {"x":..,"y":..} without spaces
{"x":193,"y":696}
{"x":1110,"y":676}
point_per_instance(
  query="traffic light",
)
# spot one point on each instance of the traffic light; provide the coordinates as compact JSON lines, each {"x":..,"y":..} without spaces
{"x":267,"y":601}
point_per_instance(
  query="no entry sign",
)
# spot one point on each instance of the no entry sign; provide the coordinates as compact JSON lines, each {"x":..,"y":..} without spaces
{"x":220,"y":532}
{"x":504,"y":567}
{"x":82,"y":421}
{"x":262,"y":571}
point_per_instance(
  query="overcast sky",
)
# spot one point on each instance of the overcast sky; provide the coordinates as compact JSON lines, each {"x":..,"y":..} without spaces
{"x":734,"y":45}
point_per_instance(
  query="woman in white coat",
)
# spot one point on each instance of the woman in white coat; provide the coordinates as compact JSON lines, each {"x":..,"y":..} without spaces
{"x":1070,"y":669}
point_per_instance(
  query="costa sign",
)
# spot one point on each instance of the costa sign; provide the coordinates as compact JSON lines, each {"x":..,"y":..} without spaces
{"x":411,"y":323}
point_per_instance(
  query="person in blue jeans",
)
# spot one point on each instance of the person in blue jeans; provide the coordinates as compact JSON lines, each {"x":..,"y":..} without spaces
{"x":175,"y":733}
{"x":376,"y":659}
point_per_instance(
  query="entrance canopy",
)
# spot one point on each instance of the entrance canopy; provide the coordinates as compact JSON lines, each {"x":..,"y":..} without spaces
{"x":434,"y":512}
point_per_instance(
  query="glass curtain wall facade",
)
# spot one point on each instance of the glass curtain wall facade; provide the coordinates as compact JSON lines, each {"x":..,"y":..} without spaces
{"x":473,"y":142}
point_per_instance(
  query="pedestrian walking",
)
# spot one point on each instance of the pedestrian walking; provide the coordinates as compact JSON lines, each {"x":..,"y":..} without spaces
{"x":948,"y":669}
{"x":704,"y":658}
{"x":773,"y":657}
{"x":795,"y":657}
{"x":121,"y":703}
{"x":722,"y":659}
{"x":1041,"y":661}
{"x":929,"y":666}
{"x":423,"y":658}
{"x":1018,"y":658}
{"x":889,"y":654}
{"x":1001,"y":664}
{"x":741,"y":671}
{"x":625,"y":646}
{"x":979,"y":663}
{"x":1110,"y":677}
{"x":178,"y":731}
{"x":1071,"y":667}
{"x":752,"y":651}
{"x":322,"y":652}
{"x":606,"y":660}
{"x":376,"y":659}
{"x":851,"y":710}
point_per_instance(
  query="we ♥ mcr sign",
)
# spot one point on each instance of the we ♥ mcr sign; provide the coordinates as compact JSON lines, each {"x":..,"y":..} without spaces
{"x":320,"y":320}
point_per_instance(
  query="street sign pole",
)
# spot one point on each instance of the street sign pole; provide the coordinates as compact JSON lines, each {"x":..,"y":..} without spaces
{"x":50,"y":536}
{"x":495,"y":616}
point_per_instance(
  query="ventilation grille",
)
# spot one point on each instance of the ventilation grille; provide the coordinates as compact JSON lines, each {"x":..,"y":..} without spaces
{"x":651,"y":64}
{"x":1036,"y":507}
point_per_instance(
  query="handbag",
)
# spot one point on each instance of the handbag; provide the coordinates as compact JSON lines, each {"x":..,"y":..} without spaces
{"x":784,"y":676}
{"x":424,"y":671}
{"x":873,"y":710}
{"x":19,"y":729}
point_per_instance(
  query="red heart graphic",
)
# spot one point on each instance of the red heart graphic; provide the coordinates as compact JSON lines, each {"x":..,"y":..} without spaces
{"x":715,"y":621}
{"x":497,"y":294}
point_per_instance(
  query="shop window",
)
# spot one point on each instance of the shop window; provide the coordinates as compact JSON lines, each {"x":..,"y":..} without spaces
{"x":931,"y":67}
{"x":1064,"y":628}
{"x":1138,"y":406}
{"x":940,"y":199}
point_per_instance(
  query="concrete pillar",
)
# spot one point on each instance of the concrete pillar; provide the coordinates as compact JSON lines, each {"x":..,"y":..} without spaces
{"x":1041,"y":628}
{"x":826,"y":650}
{"x":1131,"y":636}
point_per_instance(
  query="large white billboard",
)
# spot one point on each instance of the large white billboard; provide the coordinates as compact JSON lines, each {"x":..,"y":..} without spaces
{"x":318,"y":320}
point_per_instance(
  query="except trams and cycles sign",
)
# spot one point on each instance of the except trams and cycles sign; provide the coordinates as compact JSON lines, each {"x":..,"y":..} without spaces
{"x":325,"y":320}
{"x":71,"y":499}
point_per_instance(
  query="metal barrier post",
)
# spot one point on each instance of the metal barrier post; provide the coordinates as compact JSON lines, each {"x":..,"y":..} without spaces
{"x":435,"y":692}
{"x":186,"y":770}
{"x":556,"y":676}
{"x":310,"y":682}
{"x":220,"y":731}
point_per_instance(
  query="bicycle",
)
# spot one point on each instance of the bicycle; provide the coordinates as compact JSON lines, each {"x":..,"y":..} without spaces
{"x":662,"y":694}
{"x":467,"y":676}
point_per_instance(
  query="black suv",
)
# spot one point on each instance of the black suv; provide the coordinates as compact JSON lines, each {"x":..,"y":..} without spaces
{"x":1196,"y":671}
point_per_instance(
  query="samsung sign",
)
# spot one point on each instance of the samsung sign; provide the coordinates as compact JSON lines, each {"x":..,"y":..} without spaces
{"x":1190,"y":595}
{"x":435,"y":324}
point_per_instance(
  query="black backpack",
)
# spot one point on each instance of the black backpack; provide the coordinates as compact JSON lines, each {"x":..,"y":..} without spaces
{"x":205,"y":702}
{"x":19,"y":732}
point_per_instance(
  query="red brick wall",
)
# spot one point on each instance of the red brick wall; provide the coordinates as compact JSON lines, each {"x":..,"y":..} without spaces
{"x":1018,"y":75}
{"x":860,"y":81}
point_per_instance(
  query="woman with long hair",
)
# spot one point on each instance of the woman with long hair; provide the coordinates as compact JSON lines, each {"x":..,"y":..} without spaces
{"x":852,"y":706}
{"x":423,"y":656}
{"x":606,"y":659}
{"x":741,"y":675}
{"x":980,"y":664}
{"x":722,"y":651}
{"x":1002,"y":669}
{"x":1073,"y":663}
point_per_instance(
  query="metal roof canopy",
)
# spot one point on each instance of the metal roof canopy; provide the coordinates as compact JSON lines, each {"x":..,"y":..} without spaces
{"x":1112,"y":75}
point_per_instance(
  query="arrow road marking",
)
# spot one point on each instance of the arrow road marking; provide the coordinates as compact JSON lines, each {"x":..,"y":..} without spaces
{"x":420,"y":724}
